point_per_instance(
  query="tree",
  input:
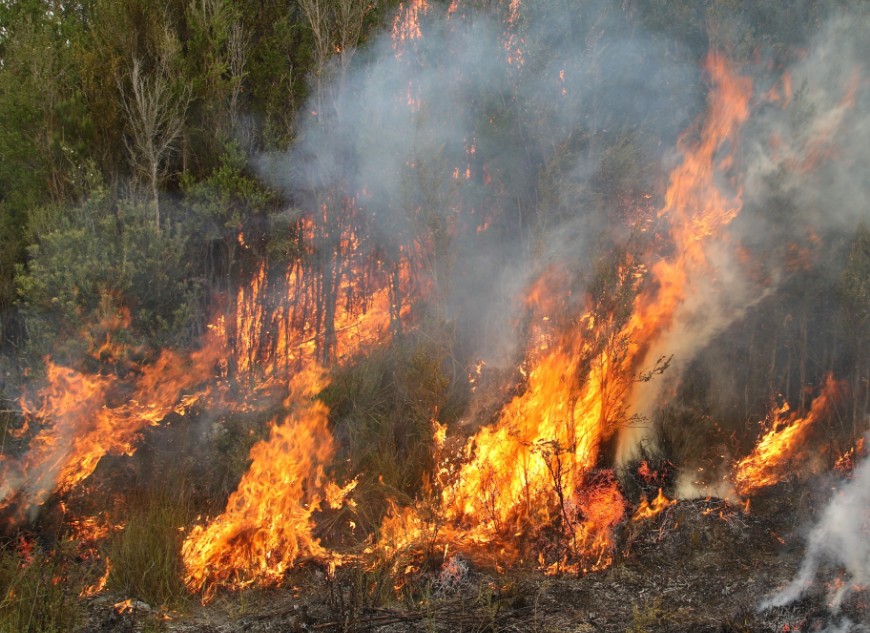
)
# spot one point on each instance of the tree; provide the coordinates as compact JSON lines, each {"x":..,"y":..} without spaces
{"x":44,"y":137}
{"x":155,"y":109}
{"x":855,"y":290}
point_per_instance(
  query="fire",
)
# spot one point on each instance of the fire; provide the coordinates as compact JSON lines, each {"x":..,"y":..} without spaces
{"x":766,"y":465}
{"x":647,"y":509}
{"x":84,"y":417}
{"x":337,"y":496}
{"x":267,"y":525}
{"x":847,"y":462}
{"x":268,"y":522}
{"x":533,"y":468}
{"x":697,"y":212}
{"x":406,"y":25}
{"x":124,"y":606}
{"x":92,"y":590}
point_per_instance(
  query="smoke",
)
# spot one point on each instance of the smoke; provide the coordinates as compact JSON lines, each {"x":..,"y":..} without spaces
{"x":811,"y":152}
{"x":801,"y":178}
{"x":839,"y":538}
{"x":476,"y":146}
{"x":485,"y":147}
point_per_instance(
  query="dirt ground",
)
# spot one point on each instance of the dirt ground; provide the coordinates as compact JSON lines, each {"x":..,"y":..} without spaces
{"x":699,"y":566}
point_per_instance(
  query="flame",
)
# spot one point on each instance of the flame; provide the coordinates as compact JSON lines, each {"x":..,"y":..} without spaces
{"x":766,"y":464}
{"x":337,"y":496}
{"x":847,"y":462}
{"x":533,"y":468}
{"x":697,"y":211}
{"x":267,"y":523}
{"x":84,"y":417}
{"x":90,"y":591}
{"x":124,"y":606}
{"x":406,"y":24}
{"x":647,"y":509}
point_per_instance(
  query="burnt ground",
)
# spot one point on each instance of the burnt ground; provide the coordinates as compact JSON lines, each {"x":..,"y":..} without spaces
{"x":699,"y":566}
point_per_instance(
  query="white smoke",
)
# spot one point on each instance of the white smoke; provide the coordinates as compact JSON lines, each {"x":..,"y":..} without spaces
{"x":840,"y":539}
{"x":803,"y":173}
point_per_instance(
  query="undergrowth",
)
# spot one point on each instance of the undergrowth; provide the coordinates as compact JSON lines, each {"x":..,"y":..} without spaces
{"x":39,"y":589}
{"x":383,"y":408}
{"x":146,"y":554}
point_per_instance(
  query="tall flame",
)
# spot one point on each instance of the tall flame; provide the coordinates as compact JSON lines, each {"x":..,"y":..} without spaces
{"x":267,"y":524}
{"x":536,"y":467}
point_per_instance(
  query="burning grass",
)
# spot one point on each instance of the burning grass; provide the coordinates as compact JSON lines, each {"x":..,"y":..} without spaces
{"x":372,"y":475}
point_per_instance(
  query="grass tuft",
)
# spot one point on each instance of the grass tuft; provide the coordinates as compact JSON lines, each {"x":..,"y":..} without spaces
{"x":146,"y":554}
{"x":39,"y":595}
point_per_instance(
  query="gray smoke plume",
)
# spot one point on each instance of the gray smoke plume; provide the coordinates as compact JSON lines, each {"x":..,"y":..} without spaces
{"x":803,"y":178}
{"x":420,"y":127}
{"x":839,"y":539}
{"x":485,"y":139}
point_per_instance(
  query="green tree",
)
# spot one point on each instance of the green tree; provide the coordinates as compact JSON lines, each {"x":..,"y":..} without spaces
{"x":45,"y":134}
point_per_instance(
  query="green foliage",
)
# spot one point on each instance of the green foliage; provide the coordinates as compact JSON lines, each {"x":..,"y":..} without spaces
{"x":39,"y":595}
{"x":45,"y":131}
{"x":228,"y":196}
{"x":95,"y":260}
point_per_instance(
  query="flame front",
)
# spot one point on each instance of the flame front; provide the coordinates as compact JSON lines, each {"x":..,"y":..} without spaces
{"x":267,"y":524}
{"x":767,"y":463}
{"x":536,"y":467}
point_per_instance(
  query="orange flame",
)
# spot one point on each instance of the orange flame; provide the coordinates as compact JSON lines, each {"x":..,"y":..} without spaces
{"x":406,"y":24}
{"x":267,"y":524}
{"x":766,"y":464}
{"x":82,"y":419}
{"x":532,"y":468}
{"x":92,"y":590}
{"x":649,"y":509}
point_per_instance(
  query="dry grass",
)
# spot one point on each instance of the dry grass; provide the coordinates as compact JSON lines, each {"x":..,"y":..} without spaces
{"x":39,"y":591}
{"x":146,"y":554}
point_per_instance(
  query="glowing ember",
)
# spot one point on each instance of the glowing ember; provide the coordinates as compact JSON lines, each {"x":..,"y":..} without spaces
{"x":766,"y":465}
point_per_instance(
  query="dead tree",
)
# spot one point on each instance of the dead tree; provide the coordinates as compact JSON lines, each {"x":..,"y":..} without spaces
{"x":155,"y":111}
